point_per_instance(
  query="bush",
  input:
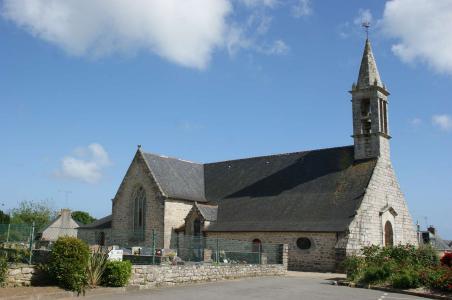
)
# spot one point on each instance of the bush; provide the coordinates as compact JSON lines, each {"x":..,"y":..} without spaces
{"x":446,"y":260}
{"x":426,"y":256}
{"x":15,"y":255}
{"x":354,"y":266}
{"x":68,"y":263}
{"x":117,"y":273}
{"x":3,"y":270}
{"x":438,"y":278}
{"x":377,"y":274}
{"x":405,"y":279}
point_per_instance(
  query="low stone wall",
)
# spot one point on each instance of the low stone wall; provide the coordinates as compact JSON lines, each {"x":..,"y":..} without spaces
{"x":22,"y":275}
{"x":164,"y":275}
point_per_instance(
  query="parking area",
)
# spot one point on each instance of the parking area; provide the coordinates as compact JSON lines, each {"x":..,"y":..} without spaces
{"x":293,"y":286}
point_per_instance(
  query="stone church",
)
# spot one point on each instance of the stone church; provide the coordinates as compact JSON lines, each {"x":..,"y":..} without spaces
{"x":323,"y":203}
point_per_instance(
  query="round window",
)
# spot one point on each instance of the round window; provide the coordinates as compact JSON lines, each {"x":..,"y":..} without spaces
{"x":304,"y":243}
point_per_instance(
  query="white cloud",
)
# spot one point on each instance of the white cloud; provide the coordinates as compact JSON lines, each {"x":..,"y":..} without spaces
{"x":278,"y":47}
{"x":423,"y":30}
{"x":86,"y":164}
{"x":444,"y":122}
{"x":185,"y":32}
{"x":416,"y":122}
{"x":302,"y":8}
{"x":364,"y":16}
{"x":254,"y":3}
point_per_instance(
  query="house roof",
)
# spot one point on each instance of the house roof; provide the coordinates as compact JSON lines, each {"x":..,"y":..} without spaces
{"x":317,"y":190}
{"x":64,"y":220}
{"x":177,"y":178}
{"x":209,"y":212}
{"x":102,"y":223}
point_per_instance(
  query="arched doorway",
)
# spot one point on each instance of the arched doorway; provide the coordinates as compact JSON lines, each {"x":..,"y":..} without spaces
{"x":257,"y":245}
{"x":256,"y":248}
{"x":197,"y":227}
{"x":389,"y":234}
{"x":197,"y":240}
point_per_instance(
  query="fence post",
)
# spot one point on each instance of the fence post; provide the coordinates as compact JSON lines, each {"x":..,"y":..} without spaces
{"x":7,"y":233}
{"x":153,"y":246}
{"x":177,"y":244}
{"x":217,"y":253}
{"x":259,"y":253}
{"x":32,"y":234}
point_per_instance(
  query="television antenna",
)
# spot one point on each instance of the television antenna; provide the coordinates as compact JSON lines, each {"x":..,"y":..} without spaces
{"x":66,"y":196}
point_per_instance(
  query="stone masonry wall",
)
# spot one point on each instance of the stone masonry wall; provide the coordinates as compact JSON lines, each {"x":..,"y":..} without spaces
{"x":175,"y":213}
{"x":137,"y":175}
{"x":165,"y":275}
{"x":383,"y":192}
{"x":320,"y":257}
{"x":22,"y":275}
{"x":91,"y":235}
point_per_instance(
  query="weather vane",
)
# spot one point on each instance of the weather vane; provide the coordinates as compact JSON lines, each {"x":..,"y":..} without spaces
{"x":366,"y":25}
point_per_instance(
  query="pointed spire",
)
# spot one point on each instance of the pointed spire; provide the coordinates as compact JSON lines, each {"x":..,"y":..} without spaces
{"x":368,"y":72}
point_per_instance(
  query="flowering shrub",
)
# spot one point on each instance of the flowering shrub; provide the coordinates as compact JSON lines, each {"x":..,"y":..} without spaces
{"x":446,"y":260}
{"x":437,"y":278}
{"x":403,"y":266}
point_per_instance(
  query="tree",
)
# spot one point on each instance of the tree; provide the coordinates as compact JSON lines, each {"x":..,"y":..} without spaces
{"x":83,"y":217}
{"x":29,"y":212}
{"x":4,"y":218}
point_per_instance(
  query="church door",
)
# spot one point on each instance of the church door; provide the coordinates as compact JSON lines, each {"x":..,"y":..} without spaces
{"x":197,"y":240}
{"x":389,"y":235}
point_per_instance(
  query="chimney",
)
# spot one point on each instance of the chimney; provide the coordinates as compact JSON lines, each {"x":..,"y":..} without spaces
{"x":431,"y":229}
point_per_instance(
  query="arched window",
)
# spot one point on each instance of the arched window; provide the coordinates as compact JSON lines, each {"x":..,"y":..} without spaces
{"x":389,"y":234}
{"x":139,"y":201}
{"x":257,"y":245}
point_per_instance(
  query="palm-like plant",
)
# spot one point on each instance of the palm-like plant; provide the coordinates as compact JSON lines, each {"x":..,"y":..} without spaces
{"x":96,"y":267}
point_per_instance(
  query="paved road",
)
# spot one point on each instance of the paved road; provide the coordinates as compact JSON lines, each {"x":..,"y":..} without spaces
{"x":290,"y":287}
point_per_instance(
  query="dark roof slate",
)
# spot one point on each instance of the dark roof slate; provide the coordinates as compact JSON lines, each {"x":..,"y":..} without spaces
{"x":102,"y":223}
{"x":209,"y":212}
{"x":177,"y":178}
{"x":317,"y":190}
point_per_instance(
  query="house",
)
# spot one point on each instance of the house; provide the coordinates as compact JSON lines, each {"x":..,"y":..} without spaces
{"x":431,"y":237}
{"x":62,"y":225}
{"x":324,"y":203}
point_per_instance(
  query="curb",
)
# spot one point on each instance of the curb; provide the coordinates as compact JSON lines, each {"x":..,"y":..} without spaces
{"x":395,"y":291}
{"x":69,"y":294}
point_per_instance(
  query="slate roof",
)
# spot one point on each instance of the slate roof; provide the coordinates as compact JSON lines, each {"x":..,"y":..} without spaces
{"x":102,"y":223}
{"x":368,"y":71}
{"x":317,"y":190}
{"x":209,"y":212}
{"x":177,"y":178}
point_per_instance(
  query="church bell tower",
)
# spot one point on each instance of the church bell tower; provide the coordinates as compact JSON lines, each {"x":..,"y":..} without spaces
{"x":370,"y":110}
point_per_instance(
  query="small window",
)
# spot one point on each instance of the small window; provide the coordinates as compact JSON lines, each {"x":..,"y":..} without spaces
{"x":304,"y":243}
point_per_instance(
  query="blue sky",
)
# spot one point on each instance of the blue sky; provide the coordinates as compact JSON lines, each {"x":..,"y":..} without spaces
{"x":82,"y":83}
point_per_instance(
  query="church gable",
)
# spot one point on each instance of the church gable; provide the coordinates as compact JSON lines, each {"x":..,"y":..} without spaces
{"x":383,"y":203}
{"x":138,"y":206}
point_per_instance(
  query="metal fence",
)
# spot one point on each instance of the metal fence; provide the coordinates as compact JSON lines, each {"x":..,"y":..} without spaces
{"x":35,"y":246}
